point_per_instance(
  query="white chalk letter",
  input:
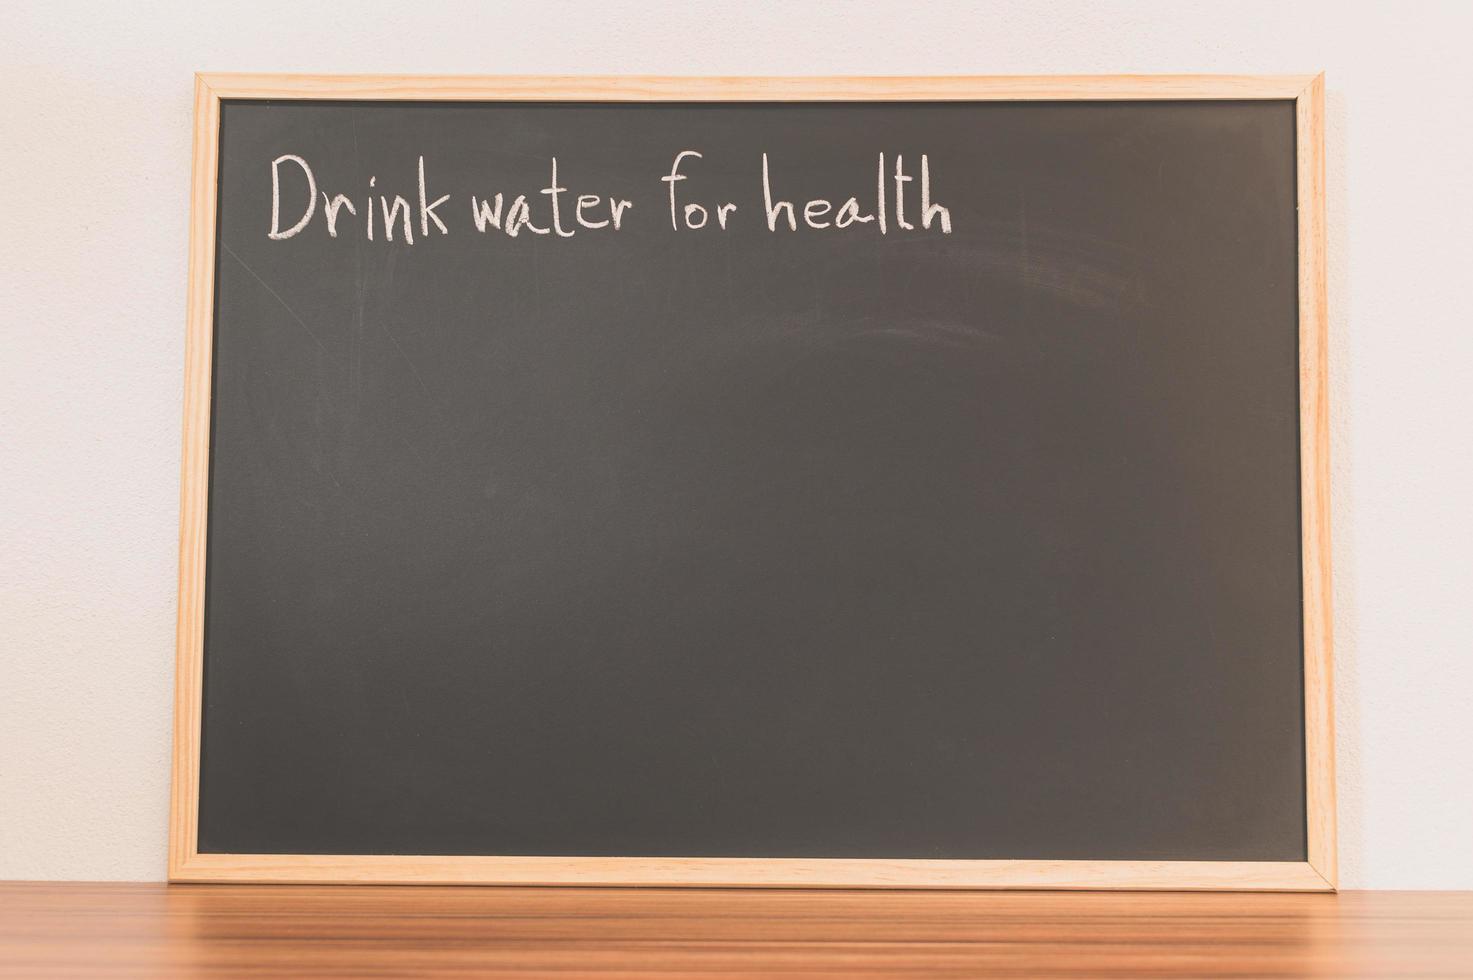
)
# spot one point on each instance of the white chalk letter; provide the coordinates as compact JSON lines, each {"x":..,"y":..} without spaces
{"x":849,"y":214}
{"x":330,"y":211}
{"x":929,"y":210}
{"x":520,"y":216}
{"x":553,"y":190}
{"x":900,"y":181}
{"x":486,"y":212}
{"x":276,"y":233}
{"x":880,"y":194}
{"x":773,"y":210}
{"x":814,"y":210}
{"x":589,"y":201}
{"x":427,"y":212}
{"x":400,"y":210}
{"x":675,"y":175}
{"x":617,"y":209}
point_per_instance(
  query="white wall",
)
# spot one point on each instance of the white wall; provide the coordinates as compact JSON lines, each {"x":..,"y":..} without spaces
{"x":95,"y":103}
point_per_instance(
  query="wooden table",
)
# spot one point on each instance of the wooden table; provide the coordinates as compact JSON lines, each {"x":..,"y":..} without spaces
{"x":105,"y":930}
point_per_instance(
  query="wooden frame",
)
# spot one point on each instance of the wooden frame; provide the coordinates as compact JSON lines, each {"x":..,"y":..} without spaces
{"x":1318,"y":873}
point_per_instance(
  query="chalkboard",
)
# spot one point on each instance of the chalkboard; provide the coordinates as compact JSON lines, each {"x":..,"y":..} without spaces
{"x":845,"y":481}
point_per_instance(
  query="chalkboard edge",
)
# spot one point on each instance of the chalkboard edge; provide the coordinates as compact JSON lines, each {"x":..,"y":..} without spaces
{"x":1314,"y":462}
{"x":194,"y":481}
{"x":1318,"y":873}
{"x":648,"y":88}
{"x":752,"y":872}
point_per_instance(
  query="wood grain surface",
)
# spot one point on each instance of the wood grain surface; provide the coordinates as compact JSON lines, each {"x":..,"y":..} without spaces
{"x":107,"y":930}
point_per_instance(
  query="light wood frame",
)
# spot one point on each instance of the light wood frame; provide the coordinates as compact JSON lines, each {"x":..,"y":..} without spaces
{"x":1318,"y":873}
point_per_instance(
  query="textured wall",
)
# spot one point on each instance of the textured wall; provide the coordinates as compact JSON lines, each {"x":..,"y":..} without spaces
{"x":94,"y":157}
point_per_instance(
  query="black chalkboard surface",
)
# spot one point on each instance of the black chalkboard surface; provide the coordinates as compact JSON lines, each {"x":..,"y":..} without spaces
{"x":967,"y":528}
